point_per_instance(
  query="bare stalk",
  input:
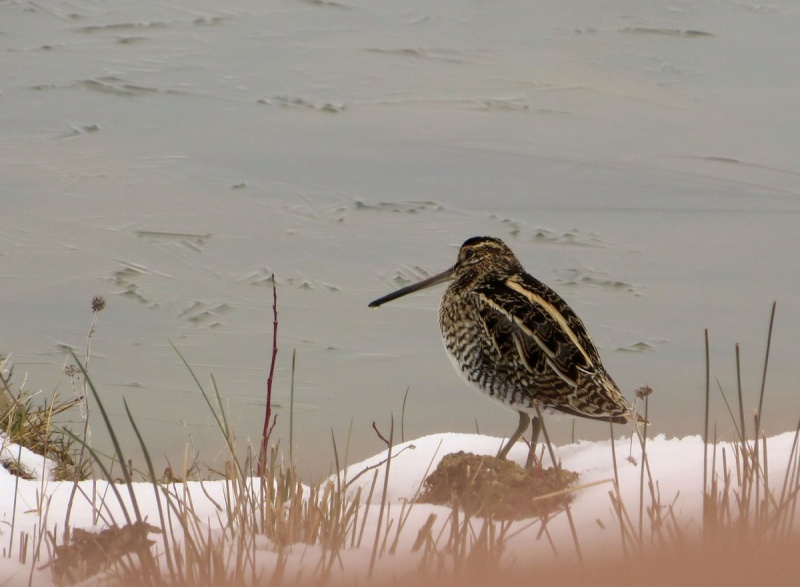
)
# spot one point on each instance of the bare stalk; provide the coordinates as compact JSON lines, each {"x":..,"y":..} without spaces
{"x":557,"y":468}
{"x":262,"y":455}
{"x":705,"y":429}
{"x":383,"y":497}
{"x":764,"y":373}
{"x":98,"y":305}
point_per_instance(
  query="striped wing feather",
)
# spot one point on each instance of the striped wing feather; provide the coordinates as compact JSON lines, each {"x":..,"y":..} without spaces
{"x":544,"y":329}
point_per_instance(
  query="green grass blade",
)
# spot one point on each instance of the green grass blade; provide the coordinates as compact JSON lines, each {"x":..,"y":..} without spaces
{"x":114,"y":440}
{"x":152,"y":473}
{"x":106,"y":474}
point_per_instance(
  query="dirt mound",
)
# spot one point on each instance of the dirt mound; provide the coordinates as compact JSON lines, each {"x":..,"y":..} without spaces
{"x":490,"y":487}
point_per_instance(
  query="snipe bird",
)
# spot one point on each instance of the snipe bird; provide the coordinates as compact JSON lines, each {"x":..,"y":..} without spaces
{"x":518,"y":341}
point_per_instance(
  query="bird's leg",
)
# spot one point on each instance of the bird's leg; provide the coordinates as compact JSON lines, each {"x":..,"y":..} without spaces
{"x":524,"y":420}
{"x":556,"y":464}
{"x":536,"y":428}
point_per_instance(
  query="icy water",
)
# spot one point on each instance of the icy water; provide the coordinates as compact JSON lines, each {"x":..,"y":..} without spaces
{"x":639,"y":157}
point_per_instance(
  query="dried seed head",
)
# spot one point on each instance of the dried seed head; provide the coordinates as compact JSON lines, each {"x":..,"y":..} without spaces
{"x":98,"y":303}
{"x":643,"y":391}
{"x":71,"y":371}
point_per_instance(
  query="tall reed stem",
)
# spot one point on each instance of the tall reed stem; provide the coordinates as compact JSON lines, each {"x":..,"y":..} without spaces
{"x":262,"y":454}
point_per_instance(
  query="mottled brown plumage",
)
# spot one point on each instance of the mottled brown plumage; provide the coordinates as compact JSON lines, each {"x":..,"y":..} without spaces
{"x":518,"y":341}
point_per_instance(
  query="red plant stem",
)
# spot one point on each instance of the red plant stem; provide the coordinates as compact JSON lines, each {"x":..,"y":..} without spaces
{"x":272,"y":427}
{"x":381,"y":436}
{"x":267,"y":431}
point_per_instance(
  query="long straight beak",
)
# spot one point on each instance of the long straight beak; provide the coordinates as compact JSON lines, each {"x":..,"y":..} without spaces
{"x":425,"y":283}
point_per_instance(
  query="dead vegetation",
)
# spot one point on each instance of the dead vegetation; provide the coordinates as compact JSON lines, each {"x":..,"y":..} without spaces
{"x":29,"y":422}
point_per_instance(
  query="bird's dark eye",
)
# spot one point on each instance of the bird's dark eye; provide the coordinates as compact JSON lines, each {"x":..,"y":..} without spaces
{"x":469,"y":253}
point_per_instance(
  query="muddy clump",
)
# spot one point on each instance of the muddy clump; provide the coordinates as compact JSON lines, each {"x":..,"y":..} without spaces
{"x":89,"y":553}
{"x":486,"y":486}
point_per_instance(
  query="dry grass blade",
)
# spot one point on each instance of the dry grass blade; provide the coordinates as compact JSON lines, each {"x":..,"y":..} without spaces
{"x":33,"y":426}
